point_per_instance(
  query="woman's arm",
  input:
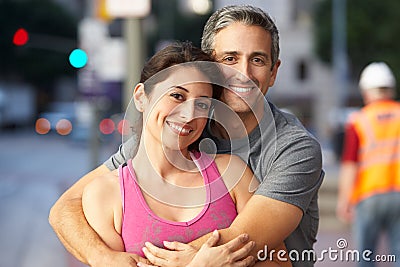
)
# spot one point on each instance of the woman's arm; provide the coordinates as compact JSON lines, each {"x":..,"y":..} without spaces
{"x":238,"y":178}
{"x":101,"y":202}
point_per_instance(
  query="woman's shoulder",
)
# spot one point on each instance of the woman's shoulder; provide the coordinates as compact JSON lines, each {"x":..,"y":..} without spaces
{"x":224,"y":161}
{"x":232,"y":169}
{"x":105,"y":185}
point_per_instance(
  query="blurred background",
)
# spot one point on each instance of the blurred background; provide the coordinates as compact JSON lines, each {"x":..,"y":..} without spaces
{"x":67,"y":68}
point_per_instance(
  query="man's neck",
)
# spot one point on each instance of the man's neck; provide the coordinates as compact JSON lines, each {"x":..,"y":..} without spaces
{"x":240,"y":124}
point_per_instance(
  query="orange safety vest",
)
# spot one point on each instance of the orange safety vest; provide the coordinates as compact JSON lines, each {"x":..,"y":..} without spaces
{"x":378,"y":128}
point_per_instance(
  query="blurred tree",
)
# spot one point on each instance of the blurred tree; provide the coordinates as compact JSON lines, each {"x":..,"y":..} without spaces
{"x":52,"y":36}
{"x":174,"y":24}
{"x":372,"y":30}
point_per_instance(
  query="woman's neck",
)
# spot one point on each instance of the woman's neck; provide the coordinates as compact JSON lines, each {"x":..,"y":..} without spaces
{"x":153,"y":159}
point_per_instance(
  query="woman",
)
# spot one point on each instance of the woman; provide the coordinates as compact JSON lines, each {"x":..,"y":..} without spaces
{"x":169,"y":191}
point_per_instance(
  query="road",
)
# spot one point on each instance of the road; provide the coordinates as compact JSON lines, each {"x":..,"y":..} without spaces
{"x":34,"y":170}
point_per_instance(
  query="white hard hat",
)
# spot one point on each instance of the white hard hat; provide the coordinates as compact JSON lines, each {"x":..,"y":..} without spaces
{"x":377,"y":75}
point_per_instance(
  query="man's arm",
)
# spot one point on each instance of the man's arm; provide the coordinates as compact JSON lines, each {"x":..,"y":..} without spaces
{"x":347,"y":177}
{"x":348,"y":172}
{"x":68,"y":221}
{"x":256,"y":221}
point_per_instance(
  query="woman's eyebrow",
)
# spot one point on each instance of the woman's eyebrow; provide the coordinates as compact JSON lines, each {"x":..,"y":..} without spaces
{"x":182,"y":88}
{"x":186,"y":90}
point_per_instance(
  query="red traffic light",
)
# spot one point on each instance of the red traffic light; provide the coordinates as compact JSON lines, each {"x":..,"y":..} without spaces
{"x":20,"y":37}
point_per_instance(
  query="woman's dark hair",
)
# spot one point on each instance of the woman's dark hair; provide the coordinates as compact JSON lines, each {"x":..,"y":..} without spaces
{"x":175,"y":54}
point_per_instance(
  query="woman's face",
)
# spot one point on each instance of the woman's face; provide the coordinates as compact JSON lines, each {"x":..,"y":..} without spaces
{"x":176,"y":112}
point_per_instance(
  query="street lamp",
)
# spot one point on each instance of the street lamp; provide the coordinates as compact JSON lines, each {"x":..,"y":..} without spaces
{"x":198,"y":7}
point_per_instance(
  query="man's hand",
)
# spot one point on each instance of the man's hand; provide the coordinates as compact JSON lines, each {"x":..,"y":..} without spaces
{"x":345,"y":211}
{"x":179,"y":254}
{"x":224,"y":255}
{"x":229,"y":254}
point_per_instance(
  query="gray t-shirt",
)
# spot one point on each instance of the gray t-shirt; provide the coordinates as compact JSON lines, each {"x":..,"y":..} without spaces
{"x":287,"y":160}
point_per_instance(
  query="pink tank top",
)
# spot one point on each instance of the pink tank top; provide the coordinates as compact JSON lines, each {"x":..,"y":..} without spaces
{"x":140,"y":224}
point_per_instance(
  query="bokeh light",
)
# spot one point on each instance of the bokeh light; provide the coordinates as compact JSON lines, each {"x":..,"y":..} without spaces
{"x":78,"y":58}
{"x":42,"y":126}
{"x":21,"y":37}
{"x":64,"y":127}
{"x":107,"y":126}
{"x":124,"y":127}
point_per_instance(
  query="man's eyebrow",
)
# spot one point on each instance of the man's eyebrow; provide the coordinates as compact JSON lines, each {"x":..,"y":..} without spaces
{"x":260,"y":53}
{"x":235,"y":53}
{"x":230,"y":53}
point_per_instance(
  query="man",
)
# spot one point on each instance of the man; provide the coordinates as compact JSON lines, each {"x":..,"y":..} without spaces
{"x":369,"y":179}
{"x":284,"y":207}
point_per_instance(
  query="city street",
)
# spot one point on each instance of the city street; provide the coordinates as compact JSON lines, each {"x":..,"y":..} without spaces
{"x":36,"y":169}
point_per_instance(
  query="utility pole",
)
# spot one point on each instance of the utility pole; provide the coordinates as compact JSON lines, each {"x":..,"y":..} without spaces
{"x":131,"y":11}
{"x":339,"y":50}
{"x":135,"y":54}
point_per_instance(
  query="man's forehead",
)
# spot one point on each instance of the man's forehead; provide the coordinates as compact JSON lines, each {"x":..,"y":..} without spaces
{"x":238,"y":38}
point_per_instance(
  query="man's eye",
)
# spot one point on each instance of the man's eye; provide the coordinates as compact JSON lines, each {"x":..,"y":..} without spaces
{"x":229,"y":59}
{"x":202,"y":105}
{"x":258,"y":61}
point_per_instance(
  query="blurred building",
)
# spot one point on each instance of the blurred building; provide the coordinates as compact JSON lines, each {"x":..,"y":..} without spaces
{"x":305,"y":86}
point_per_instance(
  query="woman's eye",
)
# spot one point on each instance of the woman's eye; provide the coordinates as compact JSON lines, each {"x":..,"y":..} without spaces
{"x":177,"y":96}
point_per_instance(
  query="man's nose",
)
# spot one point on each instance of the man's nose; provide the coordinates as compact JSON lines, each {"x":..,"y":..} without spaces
{"x":244,"y":71}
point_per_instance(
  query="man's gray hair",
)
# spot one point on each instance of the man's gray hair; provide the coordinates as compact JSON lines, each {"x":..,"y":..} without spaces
{"x":246,"y":14}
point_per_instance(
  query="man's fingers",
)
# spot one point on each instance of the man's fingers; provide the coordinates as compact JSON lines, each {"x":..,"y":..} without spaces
{"x":153,"y":257}
{"x":237,"y":242}
{"x":244,"y":251}
{"x":142,"y":260}
{"x":248,"y":261}
{"x":141,"y":264}
{"x":178,"y":246}
{"x":213,"y":239}
{"x":156,"y":251}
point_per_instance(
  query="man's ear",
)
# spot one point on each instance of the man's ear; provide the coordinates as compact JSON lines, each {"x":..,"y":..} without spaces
{"x":140,"y":97}
{"x":274,"y":72}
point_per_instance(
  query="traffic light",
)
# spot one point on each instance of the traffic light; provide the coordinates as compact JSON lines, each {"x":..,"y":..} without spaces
{"x":21,"y":37}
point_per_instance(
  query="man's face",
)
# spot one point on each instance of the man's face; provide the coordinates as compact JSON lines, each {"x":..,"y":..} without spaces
{"x":247,"y":49}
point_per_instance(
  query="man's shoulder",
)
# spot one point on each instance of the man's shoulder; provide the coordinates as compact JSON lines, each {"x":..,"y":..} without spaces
{"x":290,"y":129}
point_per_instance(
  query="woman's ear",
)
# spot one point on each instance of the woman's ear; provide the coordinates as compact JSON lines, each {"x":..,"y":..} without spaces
{"x":140,"y":97}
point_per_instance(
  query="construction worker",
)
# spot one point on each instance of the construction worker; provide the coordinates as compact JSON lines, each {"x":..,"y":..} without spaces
{"x":369,"y":180}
